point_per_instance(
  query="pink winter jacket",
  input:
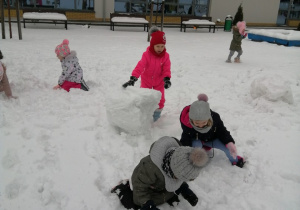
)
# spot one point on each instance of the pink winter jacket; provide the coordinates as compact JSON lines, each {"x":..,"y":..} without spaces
{"x":153,"y":69}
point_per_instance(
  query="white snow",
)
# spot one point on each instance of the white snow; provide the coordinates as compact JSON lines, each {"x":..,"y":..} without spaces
{"x":59,"y":150}
{"x":198,"y":22}
{"x":44,"y":15}
{"x":277,"y":33}
{"x":129,"y":20}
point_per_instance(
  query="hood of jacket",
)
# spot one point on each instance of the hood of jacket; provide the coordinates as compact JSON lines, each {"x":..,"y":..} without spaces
{"x":157,"y":153}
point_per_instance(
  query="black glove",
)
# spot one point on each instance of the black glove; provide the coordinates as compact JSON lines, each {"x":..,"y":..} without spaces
{"x":167,"y":82}
{"x":187,"y":194}
{"x":131,"y":82}
{"x":149,"y":205}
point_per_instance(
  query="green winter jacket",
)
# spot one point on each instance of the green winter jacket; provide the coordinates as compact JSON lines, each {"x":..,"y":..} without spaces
{"x":236,"y":43}
{"x":148,"y":183}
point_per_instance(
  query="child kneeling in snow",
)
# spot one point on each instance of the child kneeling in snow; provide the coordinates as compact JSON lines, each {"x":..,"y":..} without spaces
{"x":72,"y":74}
{"x":154,"y":68}
{"x":203,"y":127}
{"x":161,"y":176}
{"x":4,"y":83}
{"x":236,"y":43}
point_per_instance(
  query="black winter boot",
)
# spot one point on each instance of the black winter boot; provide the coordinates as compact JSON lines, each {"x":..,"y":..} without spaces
{"x":125,"y":194}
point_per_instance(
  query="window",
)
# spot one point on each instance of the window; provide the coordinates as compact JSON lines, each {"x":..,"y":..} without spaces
{"x":131,"y":6}
{"x":172,"y":7}
{"x":288,"y":10}
{"x":59,"y":4}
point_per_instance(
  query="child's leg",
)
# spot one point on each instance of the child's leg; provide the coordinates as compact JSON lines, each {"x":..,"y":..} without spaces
{"x":125,"y":194}
{"x":219,"y":145}
{"x":68,"y":85}
{"x":161,"y":88}
{"x":84,"y":86}
{"x":240,"y":52}
{"x":230,"y":55}
{"x":4,"y":85}
{"x":197,"y":143}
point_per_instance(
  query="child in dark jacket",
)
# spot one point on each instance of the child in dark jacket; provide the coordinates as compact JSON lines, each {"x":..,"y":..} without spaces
{"x":203,"y":127}
{"x":4,"y":83}
{"x":236,"y":43}
{"x":72,"y":74}
{"x":162,"y":175}
{"x":154,"y":68}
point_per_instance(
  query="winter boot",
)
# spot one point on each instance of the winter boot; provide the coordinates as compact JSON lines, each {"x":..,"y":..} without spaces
{"x":125,"y":194}
{"x":240,"y":163}
{"x":228,"y":61}
{"x":156,"y":114}
{"x":84,"y":86}
{"x":237,"y":60}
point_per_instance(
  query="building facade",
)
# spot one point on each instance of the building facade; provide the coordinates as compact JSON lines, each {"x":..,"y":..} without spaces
{"x":256,"y":12}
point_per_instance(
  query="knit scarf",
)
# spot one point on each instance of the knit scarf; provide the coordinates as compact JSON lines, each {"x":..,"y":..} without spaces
{"x":166,"y":164}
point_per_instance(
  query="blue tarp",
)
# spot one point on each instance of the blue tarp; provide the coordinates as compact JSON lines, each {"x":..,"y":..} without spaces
{"x":260,"y":38}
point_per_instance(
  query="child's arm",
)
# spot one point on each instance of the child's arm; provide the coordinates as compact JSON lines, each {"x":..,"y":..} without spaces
{"x":140,"y":67}
{"x":67,"y":70}
{"x":166,"y":68}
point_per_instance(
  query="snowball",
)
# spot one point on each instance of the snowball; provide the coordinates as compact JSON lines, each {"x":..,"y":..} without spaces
{"x":132,"y":109}
{"x":272,"y":88}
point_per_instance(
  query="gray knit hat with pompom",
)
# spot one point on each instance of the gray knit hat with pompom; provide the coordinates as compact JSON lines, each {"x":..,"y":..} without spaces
{"x":186,"y":162}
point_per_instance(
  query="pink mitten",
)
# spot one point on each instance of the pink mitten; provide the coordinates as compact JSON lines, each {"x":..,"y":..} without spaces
{"x":232,"y":149}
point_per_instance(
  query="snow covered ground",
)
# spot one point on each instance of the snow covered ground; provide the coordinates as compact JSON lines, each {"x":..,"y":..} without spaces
{"x":59,"y":150}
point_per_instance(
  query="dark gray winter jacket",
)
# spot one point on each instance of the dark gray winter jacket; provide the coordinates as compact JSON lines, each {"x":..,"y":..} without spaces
{"x":149,"y":181}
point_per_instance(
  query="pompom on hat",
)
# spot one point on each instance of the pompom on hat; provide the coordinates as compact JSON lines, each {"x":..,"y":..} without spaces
{"x":186,"y":162}
{"x":63,"y":48}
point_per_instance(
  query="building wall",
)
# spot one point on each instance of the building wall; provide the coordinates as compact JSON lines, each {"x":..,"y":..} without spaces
{"x":103,"y":8}
{"x":258,"y":12}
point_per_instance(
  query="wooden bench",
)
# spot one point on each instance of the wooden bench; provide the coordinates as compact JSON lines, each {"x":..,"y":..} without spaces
{"x":45,"y":16}
{"x":128,"y":19}
{"x":196,"y":21}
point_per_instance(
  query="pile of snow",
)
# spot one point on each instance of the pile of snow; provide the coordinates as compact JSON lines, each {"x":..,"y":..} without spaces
{"x":132,"y":108}
{"x":272,"y":88}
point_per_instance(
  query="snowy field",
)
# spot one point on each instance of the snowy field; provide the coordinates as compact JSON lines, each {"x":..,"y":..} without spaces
{"x":59,"y":150}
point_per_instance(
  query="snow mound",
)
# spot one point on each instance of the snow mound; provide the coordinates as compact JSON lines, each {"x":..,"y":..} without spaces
{"x":272,"y":88}
{"x":132,"y":109}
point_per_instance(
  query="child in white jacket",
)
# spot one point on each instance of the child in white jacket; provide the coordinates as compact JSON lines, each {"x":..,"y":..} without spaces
{"x":72,"y":74}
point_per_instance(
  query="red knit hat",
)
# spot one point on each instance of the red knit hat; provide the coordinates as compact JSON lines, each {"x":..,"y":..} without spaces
{"x":158,"y":37}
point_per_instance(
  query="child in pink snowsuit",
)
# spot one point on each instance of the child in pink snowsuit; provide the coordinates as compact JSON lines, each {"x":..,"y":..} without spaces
{"x":154,"y":68}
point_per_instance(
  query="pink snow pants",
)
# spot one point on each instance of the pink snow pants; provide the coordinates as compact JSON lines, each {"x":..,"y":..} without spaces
{"x":68,"y":85}
{"x":160,"y":87}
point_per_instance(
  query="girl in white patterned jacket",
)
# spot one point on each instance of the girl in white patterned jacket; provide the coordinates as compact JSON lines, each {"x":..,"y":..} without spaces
{"x":72,"y":74}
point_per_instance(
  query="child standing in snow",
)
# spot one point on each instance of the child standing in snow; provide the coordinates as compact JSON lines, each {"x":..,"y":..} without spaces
{"x":162,"y":175}
{"x":154,"y":68}
{"x":72,"y":74}
{"x":4,"y":83}
{"x":236,"y":43}
{"x":203,"y":127}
